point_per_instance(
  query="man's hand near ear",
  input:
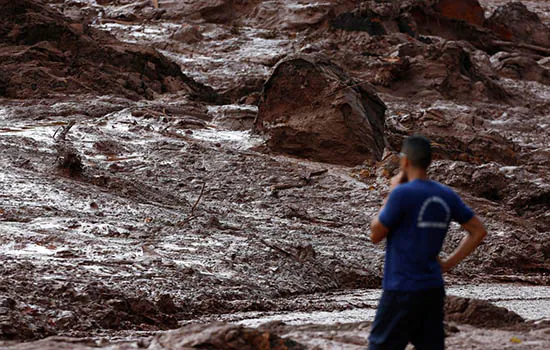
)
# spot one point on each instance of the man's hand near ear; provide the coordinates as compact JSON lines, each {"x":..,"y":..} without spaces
{"x":378,"y":230}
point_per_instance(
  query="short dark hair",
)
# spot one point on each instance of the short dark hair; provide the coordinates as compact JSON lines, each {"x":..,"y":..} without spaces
{"x":418,"y":150}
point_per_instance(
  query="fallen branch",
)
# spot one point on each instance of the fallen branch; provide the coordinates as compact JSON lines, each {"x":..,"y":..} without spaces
{"x":198,"y":199}
{"x":311,"y":174}
{"x":287,"y":186}
{"x":61,"y":133}
{"x":186,"y":221}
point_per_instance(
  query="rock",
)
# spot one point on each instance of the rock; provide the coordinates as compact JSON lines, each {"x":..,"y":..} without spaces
{"x":244,"y":88}
{"x":311,"y":108}
{"x":479,"y":313}
{"x":216,"y":336}
{"x":368,"y":21}
{"x":466,"y":10}
{"x":210,"y":11}
{"x":295,"y":16}
{"x":188,"y":34}
{"x":522,"y":67}
{"x":43,"y":54}
{"x":533,"y":198}
{"x":490,"y":181}
{"x":449,"y":19}
{"x":64,"y":320}
{"x":235,"y":117}
{"x":69,"y":159}
{"x":219,"y":336}
{"x":6,"y":302}
{"x":449,"y":67}
{"x":544,"y":62}
{"x":513,"y":21}
{"x":455,"y":137}
{"x":166,"y":305}
{"x":486,"y":180}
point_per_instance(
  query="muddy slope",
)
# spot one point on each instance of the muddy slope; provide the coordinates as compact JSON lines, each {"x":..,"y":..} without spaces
{"x":175,"y":211}
{"x":45,"y":53}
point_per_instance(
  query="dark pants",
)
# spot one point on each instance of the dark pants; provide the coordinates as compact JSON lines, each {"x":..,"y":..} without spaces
{"x":403,"y":317}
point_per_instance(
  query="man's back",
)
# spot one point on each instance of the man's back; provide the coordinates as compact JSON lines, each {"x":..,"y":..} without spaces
{"x":418,"y":214}
{"x":415,"y":220}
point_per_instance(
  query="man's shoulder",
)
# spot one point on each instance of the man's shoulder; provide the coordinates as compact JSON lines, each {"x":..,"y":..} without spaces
{"x":432,"y":186}
{"x":445,"y":188}
{"x":441,"y":186}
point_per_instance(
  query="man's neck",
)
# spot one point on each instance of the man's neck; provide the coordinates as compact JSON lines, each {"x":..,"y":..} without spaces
{"x":416,"y":174}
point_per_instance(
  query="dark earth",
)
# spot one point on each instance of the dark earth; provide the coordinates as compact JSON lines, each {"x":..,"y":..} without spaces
{"x":201,"y":174}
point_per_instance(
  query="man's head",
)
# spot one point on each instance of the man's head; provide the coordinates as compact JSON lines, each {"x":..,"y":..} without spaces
{"x":416,"y":154}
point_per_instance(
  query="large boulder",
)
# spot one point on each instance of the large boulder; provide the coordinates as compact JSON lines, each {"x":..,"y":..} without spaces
{"x":311,"y":108}
{"x":513,"y":21}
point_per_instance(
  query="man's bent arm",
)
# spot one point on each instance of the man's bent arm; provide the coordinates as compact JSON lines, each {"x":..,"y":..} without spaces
{"x":378,"y":231}
{"x":476,"y":234}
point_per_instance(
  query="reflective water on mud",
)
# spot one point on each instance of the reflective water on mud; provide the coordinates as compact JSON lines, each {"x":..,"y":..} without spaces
{"x":530,"y":302}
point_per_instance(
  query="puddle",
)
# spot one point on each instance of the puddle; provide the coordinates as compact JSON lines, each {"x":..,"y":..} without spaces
{"x":316,"y":317}
{"x":237,"y":139}
{"x":530,"y":302}
{"x":31,"y":250}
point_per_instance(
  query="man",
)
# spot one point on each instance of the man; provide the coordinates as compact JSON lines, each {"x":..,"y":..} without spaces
{"x":415,"y":219}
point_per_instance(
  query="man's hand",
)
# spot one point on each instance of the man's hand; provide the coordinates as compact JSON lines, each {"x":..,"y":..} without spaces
{"x":476,"y":234}
{"x":398,"y":179}
{"x":378,"y":230}
{"x":444,"y":265}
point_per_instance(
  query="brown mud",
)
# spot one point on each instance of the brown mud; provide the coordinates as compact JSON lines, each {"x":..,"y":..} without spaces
{"x":167,"y":203}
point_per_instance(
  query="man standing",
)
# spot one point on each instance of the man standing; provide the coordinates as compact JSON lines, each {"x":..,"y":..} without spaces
{"x":415,"y":219}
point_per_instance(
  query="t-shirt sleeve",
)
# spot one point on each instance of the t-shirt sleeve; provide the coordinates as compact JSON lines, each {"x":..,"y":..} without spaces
{"x":391,"y":214}
{"x":461,"y":213}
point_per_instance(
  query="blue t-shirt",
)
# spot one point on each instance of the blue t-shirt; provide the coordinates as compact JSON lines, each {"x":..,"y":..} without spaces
{"x":418,"y":214}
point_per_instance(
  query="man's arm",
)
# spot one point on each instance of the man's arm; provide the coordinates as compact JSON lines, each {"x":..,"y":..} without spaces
{"x":378,"y":230}
{"x":476,"y":234}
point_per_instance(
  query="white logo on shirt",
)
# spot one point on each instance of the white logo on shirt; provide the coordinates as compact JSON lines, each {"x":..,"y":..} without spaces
{"x":434,"y":224}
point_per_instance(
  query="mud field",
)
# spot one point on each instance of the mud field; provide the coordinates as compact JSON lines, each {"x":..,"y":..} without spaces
{"x":202,"y":174}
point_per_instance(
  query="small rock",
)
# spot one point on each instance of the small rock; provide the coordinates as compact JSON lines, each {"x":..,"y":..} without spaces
{"x":65,"y":319}
{"x":166,"y":305}
{"x":7,"y":302}
{"x":188,"y":33}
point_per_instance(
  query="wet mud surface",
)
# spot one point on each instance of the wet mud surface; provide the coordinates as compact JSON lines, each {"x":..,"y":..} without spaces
{"x":166,"y":205}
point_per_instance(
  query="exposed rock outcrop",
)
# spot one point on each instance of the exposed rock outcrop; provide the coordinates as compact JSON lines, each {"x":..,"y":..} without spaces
{"x":466,"y":10}
{"x":459,"y":137}
{"x":44,"y":53}
{"x":311,"y":108}
{"x":513,"y":21}
{"x":479,"y":313}
{"x":519,"y":66}
{"x":450,"y":19}
{"x":224,"y":337}
{"x":447,"y":67}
